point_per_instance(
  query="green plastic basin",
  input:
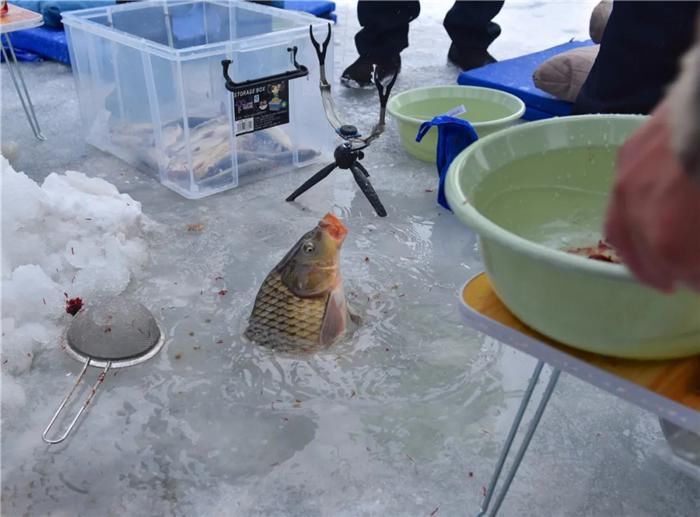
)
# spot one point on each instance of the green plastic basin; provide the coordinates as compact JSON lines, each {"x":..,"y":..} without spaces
{"x":488,"y":110}
{"x":534,"y":190}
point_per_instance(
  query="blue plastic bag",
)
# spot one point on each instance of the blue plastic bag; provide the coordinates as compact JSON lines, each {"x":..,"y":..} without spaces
{"x":454,"y":136}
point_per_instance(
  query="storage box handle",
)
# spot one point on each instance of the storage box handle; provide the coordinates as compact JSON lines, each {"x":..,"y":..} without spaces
{"x":299,"y":71}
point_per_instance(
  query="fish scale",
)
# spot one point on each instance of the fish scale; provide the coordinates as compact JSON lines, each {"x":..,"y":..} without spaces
{"x":283,"y":320}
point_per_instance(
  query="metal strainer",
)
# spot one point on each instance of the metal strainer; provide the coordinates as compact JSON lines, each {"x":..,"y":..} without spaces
{"x":115,"y":334}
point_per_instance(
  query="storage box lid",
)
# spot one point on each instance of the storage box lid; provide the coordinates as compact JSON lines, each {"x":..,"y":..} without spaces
{"x":177,"y":28}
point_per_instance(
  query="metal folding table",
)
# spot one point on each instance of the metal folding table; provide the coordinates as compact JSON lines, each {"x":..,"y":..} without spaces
{"x":670,"y":389}
{"x":18,"y":19}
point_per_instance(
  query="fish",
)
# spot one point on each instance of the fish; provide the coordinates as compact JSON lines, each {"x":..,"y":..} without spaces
{"x":301,"y":304}
{"x":209,"y":148}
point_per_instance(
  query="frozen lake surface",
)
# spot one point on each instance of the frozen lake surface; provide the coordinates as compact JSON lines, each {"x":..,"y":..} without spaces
{"x":404,"y":418}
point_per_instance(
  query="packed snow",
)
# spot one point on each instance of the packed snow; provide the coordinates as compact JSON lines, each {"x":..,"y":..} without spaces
{"x":72,"y":236}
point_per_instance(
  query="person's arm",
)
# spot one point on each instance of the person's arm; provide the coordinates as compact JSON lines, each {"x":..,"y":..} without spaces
{"x":684,"y":106}
{"x":653,"y":218}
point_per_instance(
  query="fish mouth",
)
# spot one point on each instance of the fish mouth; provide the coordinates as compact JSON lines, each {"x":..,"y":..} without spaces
{"x":334,"y":226}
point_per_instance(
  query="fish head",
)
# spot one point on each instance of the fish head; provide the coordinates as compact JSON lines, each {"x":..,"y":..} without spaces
{"x":312,"y":266}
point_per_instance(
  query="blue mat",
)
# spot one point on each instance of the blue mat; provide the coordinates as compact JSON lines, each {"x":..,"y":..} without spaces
{"x":320,"y":9}
{"x":23,"y":55}
{"x":42,"y":42}
{"x":515,"y":76}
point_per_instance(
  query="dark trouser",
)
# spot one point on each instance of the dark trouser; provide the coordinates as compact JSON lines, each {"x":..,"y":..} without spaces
{"x":384,"y":31}
{"x":470,"y":27}
{"x":639,"y":56}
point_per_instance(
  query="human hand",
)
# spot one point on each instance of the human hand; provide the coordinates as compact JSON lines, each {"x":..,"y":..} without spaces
{"x":653,"y":219}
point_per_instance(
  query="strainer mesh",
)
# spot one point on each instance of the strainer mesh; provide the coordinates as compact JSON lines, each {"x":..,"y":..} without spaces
{"x":120,"y":329}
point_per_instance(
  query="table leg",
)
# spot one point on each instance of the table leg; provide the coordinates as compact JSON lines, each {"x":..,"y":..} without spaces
{"x":549,"y":389}
{"x":23,"y":93}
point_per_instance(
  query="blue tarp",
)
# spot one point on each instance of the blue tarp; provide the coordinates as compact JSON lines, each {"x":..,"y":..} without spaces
{"x":42,"y":42}
{"x":320,"y":9}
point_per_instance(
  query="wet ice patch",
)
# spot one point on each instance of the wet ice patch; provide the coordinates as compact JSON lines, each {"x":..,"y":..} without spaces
{"x":73,"y":236}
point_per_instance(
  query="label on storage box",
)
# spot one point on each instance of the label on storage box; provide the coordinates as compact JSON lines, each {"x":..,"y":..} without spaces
{"x":262,"y":106}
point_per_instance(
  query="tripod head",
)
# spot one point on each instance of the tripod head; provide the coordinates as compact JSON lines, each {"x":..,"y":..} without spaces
{"x":349,"y":132}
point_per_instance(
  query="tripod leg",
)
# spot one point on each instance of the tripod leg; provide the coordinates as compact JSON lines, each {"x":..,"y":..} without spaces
{"x":312,"y":181}
{"x":361,"y":167}
{"x":368,"y":190}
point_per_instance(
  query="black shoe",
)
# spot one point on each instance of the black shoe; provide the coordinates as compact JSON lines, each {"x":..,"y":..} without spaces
{"x":359,"y":74}
{"x":470,"y":59}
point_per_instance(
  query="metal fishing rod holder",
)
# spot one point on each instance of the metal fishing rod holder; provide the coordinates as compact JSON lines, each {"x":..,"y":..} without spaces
{"x":348,"y":154}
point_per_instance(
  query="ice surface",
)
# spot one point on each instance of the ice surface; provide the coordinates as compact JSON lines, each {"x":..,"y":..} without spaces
{"x":390,"y":423}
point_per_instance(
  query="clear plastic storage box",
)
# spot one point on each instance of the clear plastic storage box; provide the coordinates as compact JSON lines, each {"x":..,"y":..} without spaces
{"x":152,"y":89}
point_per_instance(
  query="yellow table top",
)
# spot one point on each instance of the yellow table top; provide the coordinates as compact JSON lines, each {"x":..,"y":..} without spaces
{"x":664,"y":387}
{"x":18,"y":18}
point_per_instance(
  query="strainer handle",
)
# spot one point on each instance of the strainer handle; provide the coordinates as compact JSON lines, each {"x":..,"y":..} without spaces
{"x":93,"y":390}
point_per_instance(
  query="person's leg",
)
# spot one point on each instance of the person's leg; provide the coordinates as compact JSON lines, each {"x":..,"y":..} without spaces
{"x":384,"y":31}
{"x":383,"y":36}
{"x":471,"y":30}
{"x":639,"y":56}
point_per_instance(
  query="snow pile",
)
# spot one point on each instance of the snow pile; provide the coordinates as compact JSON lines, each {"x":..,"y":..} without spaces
{"x":72,"y":237}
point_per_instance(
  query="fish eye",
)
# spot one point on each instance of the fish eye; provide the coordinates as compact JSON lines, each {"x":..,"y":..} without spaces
{"x":309,"y":247}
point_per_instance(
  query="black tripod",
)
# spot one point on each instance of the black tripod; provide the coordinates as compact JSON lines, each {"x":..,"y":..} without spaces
{"x":346,"y":158}
{"x":348,"y":154}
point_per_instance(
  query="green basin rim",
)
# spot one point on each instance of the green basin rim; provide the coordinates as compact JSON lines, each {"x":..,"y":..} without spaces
{"x":490,"y":230}
{"x":394,"y":109}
